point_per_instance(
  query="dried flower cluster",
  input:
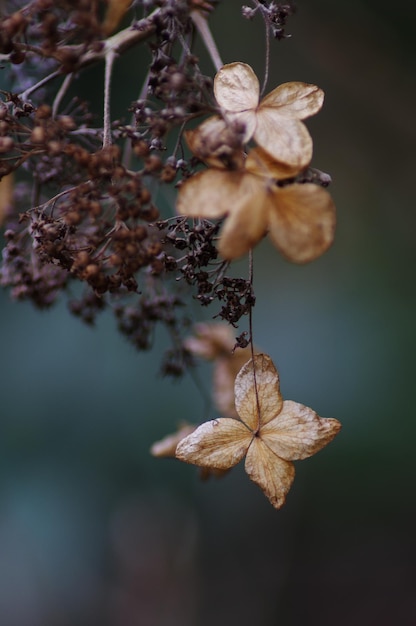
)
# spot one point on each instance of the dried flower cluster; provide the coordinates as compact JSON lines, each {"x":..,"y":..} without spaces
{"x":259,"y":193}
{"x":80,"y":199}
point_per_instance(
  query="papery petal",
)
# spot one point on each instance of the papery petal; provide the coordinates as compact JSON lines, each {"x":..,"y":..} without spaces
{"x":217,"y":142}
{"x":225,"y":372}
{"x":298,"y":432}
{"x":273,"y":475}
{"x":236,"y":87}
{"x":248,"y":219}
{"x":218,"y":444}
{"x":223,"y":388}
{"x":166,"y":447}
{"x":209,"y":193}
{"x":286,"y":140}
{"x":211,"y":340}
{"x":302,"y":223}
{"x":294,"y":100}
{"x":268,"y":392}
{"x":260,"y":163}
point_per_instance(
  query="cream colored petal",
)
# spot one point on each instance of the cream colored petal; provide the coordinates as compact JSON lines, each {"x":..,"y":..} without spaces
{"x":166,"y":447}
{"x":302,"y":223}
{"x":209,"y":193}
{"x":223,"y":388}
{"x":211,"y":340}
{"x":295,"y":100}
{"x":225,"y":372}
{"x":286,"y":140}
{"x":217,"y":444}
{"x":268,"y":391}
{"x":236,"y":87}
{"x":274,"y":476}
{"x":298,"y":432}
{"x":247,"y":222}
{"x":259,"y":162}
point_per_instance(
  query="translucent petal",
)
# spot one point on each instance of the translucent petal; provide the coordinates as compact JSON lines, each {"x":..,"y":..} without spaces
{"x":302,"y":222}
{"x":294,"y":100}
{"x":268,"y":392}
{"x":274,"y":476}
{"x":247,"y":222}
{"x":236,"y":87}
{"x":218,"y":444}
{"x":298,"y":432}
{"x":208,"y":193}
{"x":225,"y":372}
{"x":260,"y":163}
{"x":166,"y":447}
{"x":211,"y":340}
{"x":286,"y":140}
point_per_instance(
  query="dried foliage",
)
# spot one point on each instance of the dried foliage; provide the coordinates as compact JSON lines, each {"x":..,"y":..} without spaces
{"x":80,"y":198}
{"x":299,"y":218}
{"x":274,"y":123}
{"x":271,"y":433}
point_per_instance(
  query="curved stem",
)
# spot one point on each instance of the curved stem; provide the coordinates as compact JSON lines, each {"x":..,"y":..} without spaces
{"x":42,"y":82}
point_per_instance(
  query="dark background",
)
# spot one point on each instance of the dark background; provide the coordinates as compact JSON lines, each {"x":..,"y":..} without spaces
{"x":94,"y":531}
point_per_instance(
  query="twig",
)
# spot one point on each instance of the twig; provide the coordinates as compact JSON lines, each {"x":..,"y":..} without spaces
{"x":118,"y":43}
{"x":62,"y":91}
{"x":24,"y":95}
{"x":109,"y":62}
{"x":206,"y":36}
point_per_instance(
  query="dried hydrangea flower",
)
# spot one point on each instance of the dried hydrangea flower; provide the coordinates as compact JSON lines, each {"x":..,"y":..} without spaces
{"x":300,"y":218}
{"x":216,"y":342}
{"x":271,"y":433}
{"x":275,"y":122}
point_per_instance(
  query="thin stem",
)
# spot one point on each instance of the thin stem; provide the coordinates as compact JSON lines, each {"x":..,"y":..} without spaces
{"x":109,"y":62}
{"x":24,"y":95}
{"x":267,"y":64}
{"x":56,"y":197}
{"x":206,"y":36}
{"x":250,"y":328}
{"x":62,"y":91}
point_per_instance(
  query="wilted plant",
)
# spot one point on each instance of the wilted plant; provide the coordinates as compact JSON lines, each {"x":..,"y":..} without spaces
{"x":83,"y":208}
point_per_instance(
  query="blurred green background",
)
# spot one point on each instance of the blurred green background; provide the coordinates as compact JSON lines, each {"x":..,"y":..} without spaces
{"x":94,"y":531}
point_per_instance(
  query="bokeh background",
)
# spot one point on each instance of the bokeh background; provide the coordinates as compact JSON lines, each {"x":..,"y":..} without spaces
{"x":94,"y":531}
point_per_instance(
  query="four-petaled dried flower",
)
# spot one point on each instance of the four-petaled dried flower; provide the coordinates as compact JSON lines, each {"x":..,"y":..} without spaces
{"x":274,"y":123}
{"x":271,"y":433}
{"x":300,"y":218}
